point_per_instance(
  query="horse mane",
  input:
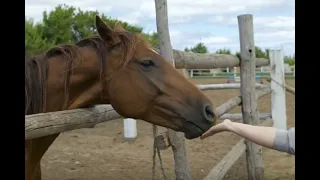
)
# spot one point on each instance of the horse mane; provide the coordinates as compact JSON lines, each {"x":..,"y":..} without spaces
{"x":36,"y":68}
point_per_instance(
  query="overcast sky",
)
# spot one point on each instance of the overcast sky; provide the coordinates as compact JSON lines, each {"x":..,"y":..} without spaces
{"x":213,"y":22}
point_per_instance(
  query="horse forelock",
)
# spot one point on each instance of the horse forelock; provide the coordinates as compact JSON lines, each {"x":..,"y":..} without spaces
{"x":128,"y":44}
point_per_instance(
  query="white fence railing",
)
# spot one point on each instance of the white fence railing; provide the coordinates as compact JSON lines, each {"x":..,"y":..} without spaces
{"x":227,"y":72}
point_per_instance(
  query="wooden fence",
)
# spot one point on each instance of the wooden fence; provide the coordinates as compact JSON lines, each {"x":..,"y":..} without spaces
{"x":228,"y":72}
{"x":43,"y":124}
{"x":249,"y":101}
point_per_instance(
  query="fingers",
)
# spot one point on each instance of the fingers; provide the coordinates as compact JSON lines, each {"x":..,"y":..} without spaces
{"x":206,"y":134}
{"x":215,"y":129}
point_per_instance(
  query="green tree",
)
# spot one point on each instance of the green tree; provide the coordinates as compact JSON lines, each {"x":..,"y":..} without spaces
{"x":289,"y":60}
{"x":198,"y":48}
{"x":57,"y":25}
{"x":66,"y":24}
{"x":259,"y":53}
{"x":267,"y":53}
{"x":223,"y":51}
{"x":34,"y":43}
{"x":152,"y":38}
{"x":186,"y":49}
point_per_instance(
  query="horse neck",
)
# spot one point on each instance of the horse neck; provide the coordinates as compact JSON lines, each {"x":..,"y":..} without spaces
{"x":84,"y":85}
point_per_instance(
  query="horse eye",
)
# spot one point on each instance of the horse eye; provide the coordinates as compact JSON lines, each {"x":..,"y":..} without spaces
{"x":147,"y":63}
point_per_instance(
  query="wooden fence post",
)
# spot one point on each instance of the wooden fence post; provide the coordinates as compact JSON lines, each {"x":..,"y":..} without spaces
{"x":248,"y":94}
{"x":278,"y":94}
{"x":182,"y":169}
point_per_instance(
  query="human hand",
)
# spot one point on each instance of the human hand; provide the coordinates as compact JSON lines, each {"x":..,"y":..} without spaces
{"x":224,"y":126}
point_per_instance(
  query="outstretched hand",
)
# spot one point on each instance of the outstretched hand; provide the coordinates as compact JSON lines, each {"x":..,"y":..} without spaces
{"x":224,"y":126}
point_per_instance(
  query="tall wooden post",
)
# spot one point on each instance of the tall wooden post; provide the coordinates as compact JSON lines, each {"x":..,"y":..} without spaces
{"x":177,"y":140}
{"x":278,"y":95}
{"x":248,"y":93}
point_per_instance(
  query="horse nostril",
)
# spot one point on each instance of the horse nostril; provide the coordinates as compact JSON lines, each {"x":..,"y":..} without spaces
{"x":208,"y":113}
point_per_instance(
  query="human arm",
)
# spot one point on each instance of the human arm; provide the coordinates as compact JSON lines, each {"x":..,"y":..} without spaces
{"x":270,"y":137}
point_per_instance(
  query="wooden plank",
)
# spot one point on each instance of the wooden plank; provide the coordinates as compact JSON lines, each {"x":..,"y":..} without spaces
{"x":182,"y":169}
{"x":225,"y":86}
{"x":238,"y":116}
{"x":232,"y":103}
{"x":220,"y":170}
{"x":278,"y":95}
{"x":44,"y":124}
{"x":249,"y":106}
{"x":189,"y":60}
{"x":287,"y":87}
{"x":290,"y":89}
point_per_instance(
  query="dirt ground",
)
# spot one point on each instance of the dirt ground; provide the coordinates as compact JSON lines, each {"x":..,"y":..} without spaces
{"x":101,"y":153}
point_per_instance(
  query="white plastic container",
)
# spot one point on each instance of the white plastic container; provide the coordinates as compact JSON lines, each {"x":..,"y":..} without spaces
{"x":130,"y":128}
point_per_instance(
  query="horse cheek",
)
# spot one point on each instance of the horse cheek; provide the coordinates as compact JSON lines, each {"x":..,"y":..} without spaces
{"x":124,"y":100}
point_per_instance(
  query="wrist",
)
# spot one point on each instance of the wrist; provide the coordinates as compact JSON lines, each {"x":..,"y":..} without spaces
{"x":229,"y":126}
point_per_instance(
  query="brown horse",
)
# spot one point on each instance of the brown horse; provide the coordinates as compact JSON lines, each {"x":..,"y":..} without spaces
{"x":117,"y":68}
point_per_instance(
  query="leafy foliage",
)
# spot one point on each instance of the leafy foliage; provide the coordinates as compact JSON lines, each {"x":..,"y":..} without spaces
{"x":289,"y":60}
{"x":34,"y":43}
{"x":259,"y":53}
{"x":198,"y":48}
{"x":223,"y":51}
{"x":66,"y":24}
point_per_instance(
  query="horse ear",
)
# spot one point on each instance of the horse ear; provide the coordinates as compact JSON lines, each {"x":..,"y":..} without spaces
{"x":105,"y":32}
{"x":118,"y":27}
